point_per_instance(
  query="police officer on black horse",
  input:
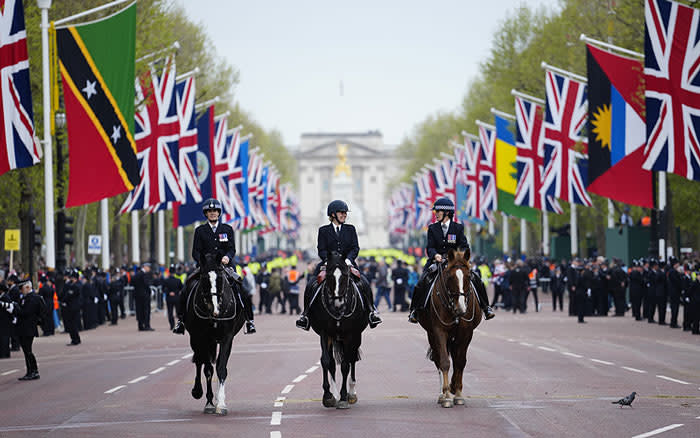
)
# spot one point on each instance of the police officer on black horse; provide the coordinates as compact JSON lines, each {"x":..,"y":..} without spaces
{"x":214,"y":237}
{"x":341,"y":238}
{"x":443,"y":235}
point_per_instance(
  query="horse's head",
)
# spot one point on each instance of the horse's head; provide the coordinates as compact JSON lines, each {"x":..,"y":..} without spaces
{"x":457,"y":281}
{"x":337,"y":273}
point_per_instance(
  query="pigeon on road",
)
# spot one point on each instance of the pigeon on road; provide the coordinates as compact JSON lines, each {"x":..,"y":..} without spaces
{"x":626,"y":401}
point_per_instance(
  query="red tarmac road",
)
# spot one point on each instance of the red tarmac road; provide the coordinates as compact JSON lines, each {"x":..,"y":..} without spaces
{"x":533,"y":375}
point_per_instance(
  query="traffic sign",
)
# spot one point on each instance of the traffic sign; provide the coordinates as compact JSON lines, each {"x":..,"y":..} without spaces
{"x":94,"y":244}
{"x":11,"y":240}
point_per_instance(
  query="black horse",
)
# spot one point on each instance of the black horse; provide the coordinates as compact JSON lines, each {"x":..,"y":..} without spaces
{"x":339,"y":316}
{"x":214,"y":315}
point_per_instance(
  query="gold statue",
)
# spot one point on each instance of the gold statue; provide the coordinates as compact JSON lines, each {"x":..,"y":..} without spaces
{"x":342,"y":166}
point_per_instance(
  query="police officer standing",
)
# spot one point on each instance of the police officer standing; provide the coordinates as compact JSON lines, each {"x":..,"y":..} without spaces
{"x":115,"y":292}
{"x":636,"y":281}
{"x":70,"y":306}
{"x":675,"y":286}
{"x":31,"y":307}
{"x":142,"y":295}
{"x":7,"y":308}
{"x":171,"y":287}
{"x":46,"y":292}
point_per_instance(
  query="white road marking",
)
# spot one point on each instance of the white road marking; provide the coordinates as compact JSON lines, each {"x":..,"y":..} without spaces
{"x":604,"y":362}
{"x":87,"y":425}
{"x":312,"y":369}
{"x":278,"y":404}
{"x":510,"y":340}
{"x":7,"y":373}
{"x":318,"y":363}
{"x":115,"y":389}
{"x":658,"y":431}
{"x":276,"y":418}
{"x":299,"y":378}
{"x":526,"y":344}
{"x":275,"y":434}
{"x":671,"y":379}
{"x":173,"y":362}
{"x":546,"y":348}
{"x":187,"y":356}
{"x":138,"y":379}
{"x":157,"y":370}
{"x":287,"y":389}
{"x":566,"y":353}
{"x":635,"y":370}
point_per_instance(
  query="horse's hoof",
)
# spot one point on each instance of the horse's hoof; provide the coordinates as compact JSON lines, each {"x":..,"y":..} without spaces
{"x":343,"y":404}
{"x":441,"y":399}
{"x":197,"y":393}
{"x":447,"y":403}
{"x":352,"y":398}
{"x":222,"y":412}
{"x":459,"y":401}
{"x":209,"y":409}
{"x":329,"y":402}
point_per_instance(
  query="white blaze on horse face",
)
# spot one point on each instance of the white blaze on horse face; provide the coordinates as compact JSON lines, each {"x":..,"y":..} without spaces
{"x":212,"y":290}
{"x":461,"y":301}
{"x":337,"y":275}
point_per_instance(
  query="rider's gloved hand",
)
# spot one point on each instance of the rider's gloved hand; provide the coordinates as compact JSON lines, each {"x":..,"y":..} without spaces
{"x":224,"y":260}
{"x":438,"y":258}
{"x":348,"y":262}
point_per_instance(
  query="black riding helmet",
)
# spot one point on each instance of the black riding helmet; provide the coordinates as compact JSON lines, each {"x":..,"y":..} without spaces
{"x":211,"y":204}
{"x":336,"y":206}
{"x":444,"y":204}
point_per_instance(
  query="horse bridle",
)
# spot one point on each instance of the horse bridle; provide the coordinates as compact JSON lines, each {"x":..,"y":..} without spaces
{"x":447,"y":302}
{"x":197,"y":311}
{"x":344,"y":296}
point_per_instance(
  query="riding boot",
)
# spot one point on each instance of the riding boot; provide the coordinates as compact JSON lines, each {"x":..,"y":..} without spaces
{"x":249,"y":315}
{"x":419,"y":294}
{"x":303,"y":321}
{"x":181,"y":306}
{"x":483,"y":297}
{"x":374,"y":319}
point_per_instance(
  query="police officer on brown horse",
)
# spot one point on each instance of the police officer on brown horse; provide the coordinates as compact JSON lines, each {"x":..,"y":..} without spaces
{"x":214,"y":237}
{"x":443,"y":235}
{"x":342,"y":238}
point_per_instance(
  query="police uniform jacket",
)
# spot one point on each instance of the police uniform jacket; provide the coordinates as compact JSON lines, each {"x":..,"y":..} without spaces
{"x":220,"y":242}
{"x":5,"y":316}
{"x":636,"y":281}
{"x":70,"y":297}
{"x":28,"y":315}
{"x":142,"y":283}
{"x":659,"y":284}
{"x":675,"y":283}
{"x":345,"y":242}
{"x":441,"y":244}
{"x":115,"y":289}
{"x":171,"y":284}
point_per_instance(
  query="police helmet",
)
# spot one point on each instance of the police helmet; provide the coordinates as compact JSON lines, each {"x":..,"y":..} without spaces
{"x":211,"y":204}
{"x":336,"y":206}
{"x":444,"y":204}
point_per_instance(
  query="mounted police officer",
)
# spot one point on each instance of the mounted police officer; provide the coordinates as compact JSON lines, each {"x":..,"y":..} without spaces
{"x":214,"y":237}
{"x":443,"y":235}
{"x":340,"y":237}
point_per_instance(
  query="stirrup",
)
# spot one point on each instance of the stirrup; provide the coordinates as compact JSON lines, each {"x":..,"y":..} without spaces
{"x":303,"y":323}
{"x":179,"y":328}
{"x":488,"y":312}
{"x":374,"y":319}
{"x":412,"y":317}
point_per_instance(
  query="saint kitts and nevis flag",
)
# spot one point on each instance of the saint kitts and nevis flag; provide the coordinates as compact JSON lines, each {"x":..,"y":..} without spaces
{"x":98,"y":88}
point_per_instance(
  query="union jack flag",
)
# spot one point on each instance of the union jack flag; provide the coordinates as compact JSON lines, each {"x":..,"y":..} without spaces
{"x":225,"y":143}
{"x":17,"y":135}
{"x":445,"y":171}
{"x":256,"y":217}
{"x":185,"y":94}
{"x":156,"y":131}
{"x":672,"y":75}
{"x":272,"y":198}
{"x":425,"y":197}
{"x":289,"y":212}
{"x":402,"y":211}
{"x":488,"y":199}
{"x":529,"y":140}
{"x":565,"y":142}
{"x":238,"y":184}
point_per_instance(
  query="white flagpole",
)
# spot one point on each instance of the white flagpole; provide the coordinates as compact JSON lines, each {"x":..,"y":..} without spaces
{"x":180,"y":244}
{"x":161,"y":237}
{"x":506,"y":234}
{"x":567,"y":73}
{"x":523,"y":236}
{"x":611,"y":46}
{"x":104,"y":207}
{"x":662,"y":210}
{"x":135,"y":244}
{"x":611,"y":214}
{"x":545,"y":233}
{"x":574,"y":230}
{"x":89,"y":11}
{"x":44,"y":5}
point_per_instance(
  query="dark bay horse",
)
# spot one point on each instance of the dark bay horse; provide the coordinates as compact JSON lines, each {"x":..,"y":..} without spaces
{"x":339,"y":316}
{"x":214,"y":315}
{"x":450,"y":318}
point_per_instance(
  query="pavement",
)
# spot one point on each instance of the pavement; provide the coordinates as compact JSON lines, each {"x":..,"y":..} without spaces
{"x":539,"y":374}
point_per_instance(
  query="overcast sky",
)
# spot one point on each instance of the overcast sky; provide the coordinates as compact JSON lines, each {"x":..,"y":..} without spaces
{"x":397,"y":61}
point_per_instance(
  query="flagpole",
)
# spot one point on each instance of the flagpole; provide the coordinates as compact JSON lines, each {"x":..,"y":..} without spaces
{"x":611,"y":46}
{"x":662,"y":211}
{"x":180,"y":244}
{"x":545,"y":233}
{"x":571,"y":75}
{"x":161,"y":237}
{"x":574,"y":230}
{"x":523,"y":236}
{"x":88,"y":12}
{"x":207,"y":103}
{"x":104,"y":219}
{"x":135,"y":244}
{"x":174,"y":46}
{"x":522,"y":95}
{"x":184,"y":76}
{"x":506,"y":235}
{"x":44,"y":5}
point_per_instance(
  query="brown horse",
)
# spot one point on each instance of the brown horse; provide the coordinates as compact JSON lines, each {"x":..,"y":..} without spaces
{"x":450,"y":317}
